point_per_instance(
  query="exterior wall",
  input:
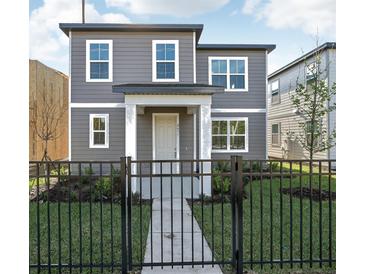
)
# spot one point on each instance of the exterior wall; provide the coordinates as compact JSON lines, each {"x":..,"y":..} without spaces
{"x":331,"y":80}
{"x":283,"y":112}
{"x":256,"y":95}
{"x":132,"y":62}
{"x":80,"y":135}
{"x":144,"y":132}
{"x":256,"y":136}
{"x":51,"y":85}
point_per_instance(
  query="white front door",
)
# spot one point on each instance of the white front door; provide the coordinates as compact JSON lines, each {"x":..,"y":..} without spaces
{"x":166,"y":140}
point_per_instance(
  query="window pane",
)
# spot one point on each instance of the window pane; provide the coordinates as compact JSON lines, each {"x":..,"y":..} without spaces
{"x":237,"y":142}
{"x":275,"y":128}
{"x":237,"y":82}
{"x":219,"y":127}
{"x":275,"y":139}
{"x":104,"y":52}
{"x":237,"y":66}
{"x":94,"y":51}
{"x":219,"y":142}
{"x":170,"y":52}
{"x":219,"y":80}
{"x":275,"y":85}
{"x":160,"y":51}
{"x":275,"y":98}
{"x":237,"y":127}
{"x":99,"y":123}
{"x":165,"y":70}
{"x":219,"y":66}
{"x":99,"y":70}
{"x":99,"y":138}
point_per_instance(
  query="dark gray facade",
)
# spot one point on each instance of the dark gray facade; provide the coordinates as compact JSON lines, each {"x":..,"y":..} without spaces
{"x":132,"y":64}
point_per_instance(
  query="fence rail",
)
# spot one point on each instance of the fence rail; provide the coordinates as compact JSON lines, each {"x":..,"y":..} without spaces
{"x":130,"y":214}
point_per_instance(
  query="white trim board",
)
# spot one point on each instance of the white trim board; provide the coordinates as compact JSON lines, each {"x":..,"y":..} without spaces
{"x":238,"y":110}
{"x":97,"y":105}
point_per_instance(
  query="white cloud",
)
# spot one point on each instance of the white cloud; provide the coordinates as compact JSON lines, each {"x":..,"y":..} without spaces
{"x":47,"y":42}
{"x":250,"y":5}
{"x":308,"y":15}
{"x":180,"y":8}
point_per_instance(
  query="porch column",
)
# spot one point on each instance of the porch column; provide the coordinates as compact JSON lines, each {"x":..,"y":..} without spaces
{"x":131,"y":137}
{"x":205,"y":147}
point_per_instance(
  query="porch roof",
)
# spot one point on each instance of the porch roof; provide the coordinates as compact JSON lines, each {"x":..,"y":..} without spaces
{"x":167,"y":89}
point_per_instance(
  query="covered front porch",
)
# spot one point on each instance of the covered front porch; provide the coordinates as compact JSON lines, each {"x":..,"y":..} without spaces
{"x":168,"y":122}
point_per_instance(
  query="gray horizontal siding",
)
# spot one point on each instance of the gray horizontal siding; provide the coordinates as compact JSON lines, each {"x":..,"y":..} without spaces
{"x":80,"y":135}
{"x":256,"y":136}
{"x":256,"y":95}
{"x":132,"y":62}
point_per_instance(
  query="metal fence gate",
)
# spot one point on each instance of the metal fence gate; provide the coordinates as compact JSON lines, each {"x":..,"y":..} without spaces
{"x":217,"y":214}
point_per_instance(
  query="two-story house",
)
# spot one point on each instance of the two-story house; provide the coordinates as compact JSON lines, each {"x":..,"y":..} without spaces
{"x":282,"y":116}
{"x":153,"y":92}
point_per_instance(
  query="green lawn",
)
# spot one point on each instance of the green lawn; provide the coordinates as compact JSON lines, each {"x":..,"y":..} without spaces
{"x":213,"y":227}
{"x":99,"y":248}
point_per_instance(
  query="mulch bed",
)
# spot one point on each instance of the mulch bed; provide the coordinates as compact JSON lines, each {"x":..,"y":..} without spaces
{"x":324,"y":195}
{"x":75,"y":191}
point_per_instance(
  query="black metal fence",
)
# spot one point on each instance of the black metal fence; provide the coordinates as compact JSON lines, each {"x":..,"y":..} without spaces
{"x":115,"y":216}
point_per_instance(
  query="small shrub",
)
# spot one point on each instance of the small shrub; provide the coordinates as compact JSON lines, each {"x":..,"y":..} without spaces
{"x":87,"y":172}
{"x":103,"y":186}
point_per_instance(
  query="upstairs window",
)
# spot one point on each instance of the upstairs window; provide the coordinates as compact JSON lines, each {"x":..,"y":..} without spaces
{"x":99,"y":130}
{"x":229,"y":72}
{"x":311,"y":71}
{"x":275,"y":97}
{"x":165,"y":54}
{"x":229,"y":135}
{"x":99,"y":63}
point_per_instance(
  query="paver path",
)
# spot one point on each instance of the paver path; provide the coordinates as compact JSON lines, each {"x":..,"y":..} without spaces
{"x":185,"y":244}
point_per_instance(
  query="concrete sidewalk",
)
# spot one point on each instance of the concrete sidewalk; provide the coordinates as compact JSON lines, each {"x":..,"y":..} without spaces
{"x":177,"y":238}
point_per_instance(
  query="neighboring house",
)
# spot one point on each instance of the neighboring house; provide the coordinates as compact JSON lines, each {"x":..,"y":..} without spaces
{"x":154,"y":92}
{"x":282,"y":117}
{"x":51,"y":85}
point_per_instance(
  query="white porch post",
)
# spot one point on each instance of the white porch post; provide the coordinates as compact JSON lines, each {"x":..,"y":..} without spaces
{"x":205,"y":146}
{"x":131,"y":137}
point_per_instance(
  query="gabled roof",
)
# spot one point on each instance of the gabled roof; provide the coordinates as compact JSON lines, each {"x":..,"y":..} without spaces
{"x":268,"y":47}
{"x":67,"y":27}
{"x":173,"y":89}
{"x":327,"y":45}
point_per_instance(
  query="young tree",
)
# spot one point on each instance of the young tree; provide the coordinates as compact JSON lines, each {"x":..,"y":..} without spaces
{"x":47,"y":116}
{"x":312,"y":100}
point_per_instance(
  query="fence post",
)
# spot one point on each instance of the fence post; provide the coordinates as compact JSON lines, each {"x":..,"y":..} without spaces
{"x":129,"y":211}
{"x":237,"y":213}
{"x":123,"y":214}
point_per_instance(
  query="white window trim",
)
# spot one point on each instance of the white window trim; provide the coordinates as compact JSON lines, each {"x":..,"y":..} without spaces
{"x":91,"y":130}
{"x":154,"y":61}
{"x":279,"y":135}
{"x":277,"y":91}
{"x":88,"y":43}
{"x":210,"y":58}
{"x":228,"y":119}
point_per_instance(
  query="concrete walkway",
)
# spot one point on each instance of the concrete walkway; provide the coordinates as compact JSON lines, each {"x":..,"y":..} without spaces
{"x":177,"y":238}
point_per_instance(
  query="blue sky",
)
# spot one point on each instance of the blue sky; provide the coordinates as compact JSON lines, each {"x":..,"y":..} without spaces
{"x":290,"y":24}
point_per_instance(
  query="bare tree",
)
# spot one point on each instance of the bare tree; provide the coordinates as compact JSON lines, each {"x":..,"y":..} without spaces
{"x":47,"y":116}
{"x":312,"y":100}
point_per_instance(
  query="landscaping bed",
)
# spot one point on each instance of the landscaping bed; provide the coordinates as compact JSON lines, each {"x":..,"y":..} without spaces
{"x":305,"y":192}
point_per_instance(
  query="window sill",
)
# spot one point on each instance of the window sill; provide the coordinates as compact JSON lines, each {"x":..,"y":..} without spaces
{"x":230,"y":151}
{"x":165,"y":80}
{"x":93,"y":146}
{"x":99,"y":80}
{"x":236,"y":90}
